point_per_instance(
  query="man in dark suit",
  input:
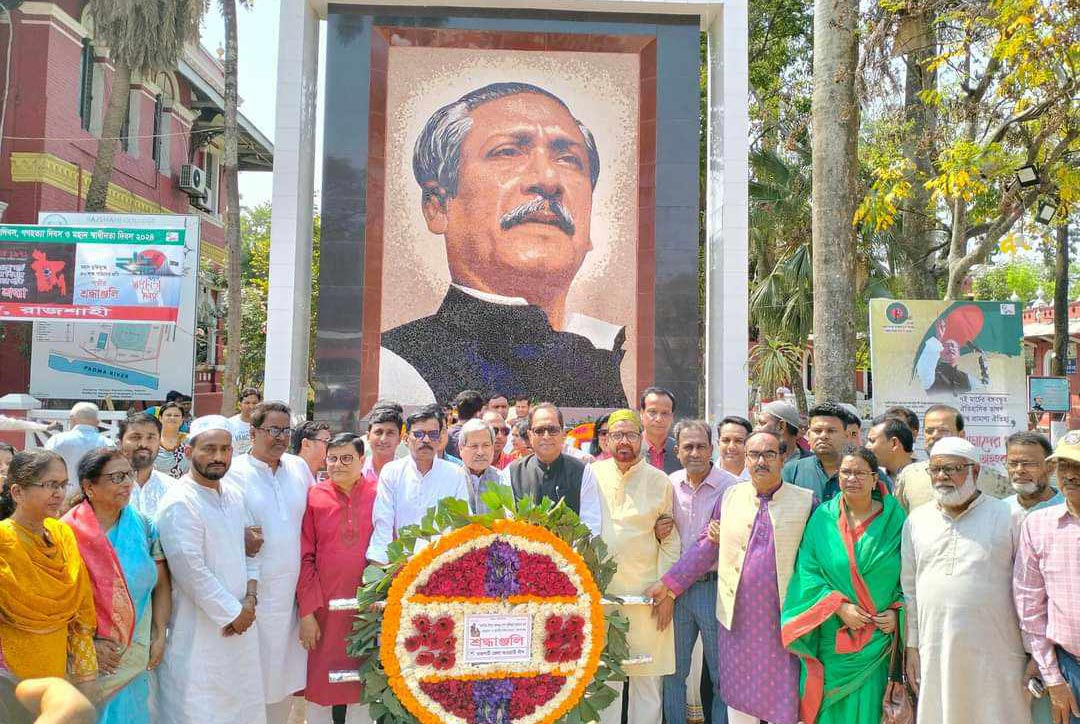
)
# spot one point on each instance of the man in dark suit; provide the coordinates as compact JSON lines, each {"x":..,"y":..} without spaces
{"x":657,"y":408}
{"x":508,"y":175}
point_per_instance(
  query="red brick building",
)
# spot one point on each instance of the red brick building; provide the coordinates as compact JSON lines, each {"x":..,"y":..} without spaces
{"x":54,"y":96}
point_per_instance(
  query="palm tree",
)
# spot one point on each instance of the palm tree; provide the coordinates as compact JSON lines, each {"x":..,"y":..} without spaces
{"x":775,"y":363}
{"x":231,"y":175}
{"x":143,"y":36}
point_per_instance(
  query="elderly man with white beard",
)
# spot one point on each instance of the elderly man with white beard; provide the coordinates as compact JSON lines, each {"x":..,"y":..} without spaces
{"x":966,"y":658}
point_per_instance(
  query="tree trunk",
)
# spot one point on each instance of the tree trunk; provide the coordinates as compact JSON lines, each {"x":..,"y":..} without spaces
{"x":231,"y":177}
{"x":798,"y":388}
{"x":835,"y":122}
{"x":917,"y":221}
{"x":1061,"y":302}
{"x":112,"y":124}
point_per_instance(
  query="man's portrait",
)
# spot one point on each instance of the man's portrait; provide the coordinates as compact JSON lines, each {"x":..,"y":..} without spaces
{"x":523,"y":229}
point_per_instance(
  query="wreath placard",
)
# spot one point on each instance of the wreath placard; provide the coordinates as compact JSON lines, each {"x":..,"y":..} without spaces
{"x":490,"y":619}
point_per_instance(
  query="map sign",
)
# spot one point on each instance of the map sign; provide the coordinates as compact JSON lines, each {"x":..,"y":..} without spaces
{"x":123,"y":360}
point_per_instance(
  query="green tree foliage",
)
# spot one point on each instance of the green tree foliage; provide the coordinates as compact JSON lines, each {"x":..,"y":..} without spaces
{"x":1023,"y":278}
{"x":255,"y":273}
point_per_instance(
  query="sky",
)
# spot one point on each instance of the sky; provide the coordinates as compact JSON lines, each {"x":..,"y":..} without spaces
{"x":257,"y":31}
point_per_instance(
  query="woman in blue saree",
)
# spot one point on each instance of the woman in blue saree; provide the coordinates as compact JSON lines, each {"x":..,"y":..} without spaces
{"x":131,"y":587}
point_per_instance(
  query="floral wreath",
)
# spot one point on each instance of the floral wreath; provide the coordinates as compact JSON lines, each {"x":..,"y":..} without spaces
{"x":532,"y":569}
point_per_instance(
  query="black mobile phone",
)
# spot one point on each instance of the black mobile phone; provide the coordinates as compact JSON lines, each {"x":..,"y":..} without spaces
{"x":11,"y":711}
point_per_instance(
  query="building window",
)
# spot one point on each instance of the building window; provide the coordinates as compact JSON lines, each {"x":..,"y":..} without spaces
{"x":159,"y":112}
{"x":86,"y":84}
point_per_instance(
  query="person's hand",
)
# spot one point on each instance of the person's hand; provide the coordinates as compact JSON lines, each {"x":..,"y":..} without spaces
{"x":253,"y":540}
{"x":1062,"y":703}
{"x":243,"y":622}
{"x":309,"y":632}
{"x":714,"y":531}
{"x":108,"y":656}
{"x":662,"y":611}
{"x":157,"y":647}
{"x":662,"y":527}
{"x":657,"y":591}
{"x":911,"y":668}
{"x":853,"y":616}
{"x":1031,"y":671}
{"x":55,"y":701}
{"x":885,"y":621}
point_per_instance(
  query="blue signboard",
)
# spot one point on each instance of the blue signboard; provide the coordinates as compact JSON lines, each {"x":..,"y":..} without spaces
{"x":1049,"y":394}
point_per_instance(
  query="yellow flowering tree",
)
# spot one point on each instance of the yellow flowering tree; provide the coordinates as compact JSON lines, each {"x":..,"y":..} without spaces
{"x":997,"y":94}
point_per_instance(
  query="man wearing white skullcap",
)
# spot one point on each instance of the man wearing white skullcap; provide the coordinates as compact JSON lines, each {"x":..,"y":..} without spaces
{"x":966,"y":658}
{"x":211,"y":671}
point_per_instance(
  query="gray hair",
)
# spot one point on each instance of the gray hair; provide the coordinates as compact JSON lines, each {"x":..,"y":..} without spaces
{"x":437,"y":154}
{"x":85,"y":413}
{"x":475,"y":425}
{"x":682,"y":425}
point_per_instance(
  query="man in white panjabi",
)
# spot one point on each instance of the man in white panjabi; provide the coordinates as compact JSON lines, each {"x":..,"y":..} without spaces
{"x":275,"y":486}
{"x":965,"y":654}
{"x":211,"y":671}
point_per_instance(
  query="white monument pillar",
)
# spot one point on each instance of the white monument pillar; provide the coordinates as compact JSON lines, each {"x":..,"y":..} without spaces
{"x":727,"y":213}
{"x":288,"y":318}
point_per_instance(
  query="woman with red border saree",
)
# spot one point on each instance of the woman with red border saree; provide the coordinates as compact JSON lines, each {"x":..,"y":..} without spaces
{"x":843,"y":604}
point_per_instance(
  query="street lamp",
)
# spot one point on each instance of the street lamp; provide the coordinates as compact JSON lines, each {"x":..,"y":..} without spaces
{"x":1028,"y":176}
{"x":1045,"y":213}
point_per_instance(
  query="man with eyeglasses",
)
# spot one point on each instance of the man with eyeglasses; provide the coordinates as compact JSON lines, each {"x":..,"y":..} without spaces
{"x":309,"y":441}
{"x":634,"y":497}
{"x":410,"y":485}
{"x":965,"y":656}
{"x":140,"y":438}
{"x":275,"y":486}
{"x":496,"y":422}
{"x":1045,"y":587}
{"x":550,"y":472}
{"x":657,"y":408}
{"x":477,"y":444}
{"x":914,"y":485}
{"x":336,"y":530}
{"x":753,"y":545}
{"x":1026,"y":461}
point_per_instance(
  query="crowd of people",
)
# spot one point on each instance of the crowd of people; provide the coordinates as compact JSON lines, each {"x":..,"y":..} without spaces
{"x":182,"y":573}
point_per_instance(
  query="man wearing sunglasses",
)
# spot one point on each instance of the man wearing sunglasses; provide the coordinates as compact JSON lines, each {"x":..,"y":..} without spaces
{"x":496,"y":422}
{"x":410,"y":485}
{"x":275,"y":486}
{"x":551,"y":473}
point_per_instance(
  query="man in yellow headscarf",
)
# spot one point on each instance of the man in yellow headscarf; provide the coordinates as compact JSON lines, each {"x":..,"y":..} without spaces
{"x":633,"y":497}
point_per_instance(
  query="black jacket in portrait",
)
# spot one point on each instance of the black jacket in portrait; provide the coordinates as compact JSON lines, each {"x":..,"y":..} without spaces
{"x":471,"y":343}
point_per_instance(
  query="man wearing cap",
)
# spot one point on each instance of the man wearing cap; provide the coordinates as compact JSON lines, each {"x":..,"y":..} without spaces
{"x":913,"y":486}
{"x":966,"y":659}
{"x":634,"y":496}
{"x":211,"y":671}
{"x":781,"y":418}
{"x":275,"y":486}
{"x":1046,"y":588}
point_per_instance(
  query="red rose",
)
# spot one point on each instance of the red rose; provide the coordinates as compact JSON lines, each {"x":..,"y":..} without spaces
{"x":412,"y":644}
{"x":421,"y":623}
{"x":444,"y":661}
{"x":444,"y":625}
{"x":425,"y":658}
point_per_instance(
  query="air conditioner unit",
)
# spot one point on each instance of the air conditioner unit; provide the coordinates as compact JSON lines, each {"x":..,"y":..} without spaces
{"x":193,"y":181}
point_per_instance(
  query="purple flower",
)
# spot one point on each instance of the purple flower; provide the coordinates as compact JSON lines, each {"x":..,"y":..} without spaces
{"x":492,"y":698}
{"x":500,"y":579}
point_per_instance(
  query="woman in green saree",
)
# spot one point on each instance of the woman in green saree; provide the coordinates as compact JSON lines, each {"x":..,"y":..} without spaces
{"x":843,"y":605}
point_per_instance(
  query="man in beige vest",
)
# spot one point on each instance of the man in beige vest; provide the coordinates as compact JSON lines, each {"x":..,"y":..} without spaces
{"x":634,"y":495}
{"x":753,"y":544}
{"x":913,"y":487}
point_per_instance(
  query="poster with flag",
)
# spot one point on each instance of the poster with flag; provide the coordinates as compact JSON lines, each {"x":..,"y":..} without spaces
{"x":965,"y":354}
{"x":91,"y":274}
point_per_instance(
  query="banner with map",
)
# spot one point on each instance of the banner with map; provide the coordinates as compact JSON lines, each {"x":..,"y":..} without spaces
{"x":123,"y":360}
{"x":965,"y":354}
{"x":90,"y":273}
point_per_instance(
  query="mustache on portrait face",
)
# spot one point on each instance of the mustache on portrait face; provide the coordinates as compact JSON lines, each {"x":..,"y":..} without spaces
{"x":531,"y":210}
